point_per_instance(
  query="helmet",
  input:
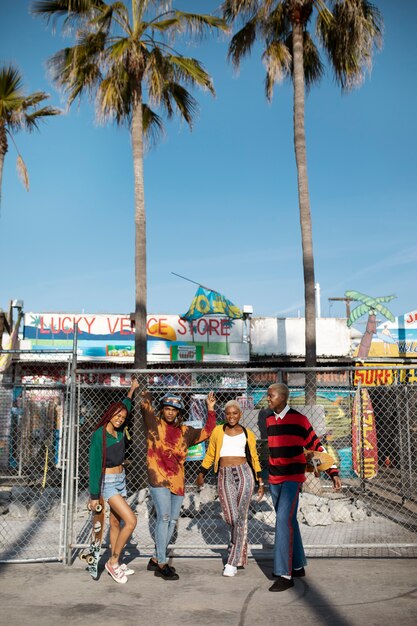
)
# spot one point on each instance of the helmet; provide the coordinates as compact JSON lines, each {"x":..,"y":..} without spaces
{"x":174,"y":401}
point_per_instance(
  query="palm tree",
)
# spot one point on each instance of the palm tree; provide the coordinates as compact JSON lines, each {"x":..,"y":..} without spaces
{"x":17,"y":112}
{"x":370,"y":306}
{"x":348,"y":31}
{"x":123,"y":57}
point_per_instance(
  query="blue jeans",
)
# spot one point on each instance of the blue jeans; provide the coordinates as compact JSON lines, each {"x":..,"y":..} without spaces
{"x":288,"y":547}
{"x":167,"y":506}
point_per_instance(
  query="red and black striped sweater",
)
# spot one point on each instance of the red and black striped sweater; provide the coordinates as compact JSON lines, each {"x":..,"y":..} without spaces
{"x":287,"y":438}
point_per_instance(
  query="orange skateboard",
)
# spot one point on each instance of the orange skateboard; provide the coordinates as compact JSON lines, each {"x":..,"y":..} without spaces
{"x":318,"y":461}
{"x":92,"y":555}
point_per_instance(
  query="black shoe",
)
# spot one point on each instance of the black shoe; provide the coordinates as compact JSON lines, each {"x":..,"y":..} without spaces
{"x":281,"y":584}
{"x":166,"y":572}
{"x":153,"y":565}
{"x":298,"y":573}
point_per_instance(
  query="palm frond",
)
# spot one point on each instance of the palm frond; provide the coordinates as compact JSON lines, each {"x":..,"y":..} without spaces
{"x":158,"y":71}
{"x":77,"y":69}
{"x":114,"y":97}
{"x":196,"y":24}
{"x":191,"y":71}
{"x":73,"y":12}
{"x":242,"y":42}
{"x":22,"y":172}
{"x":153,"y":127}
{"x":384,"y":311}
{"x":275,"y":24}
{"x":17,"y":110}
{"x":350,"y":38}
{"x":119,"y":49}
{"x":31,"y":120}
{"x":116,"y":11}
{"x":184,"y":101}
{"x":11,"y":82}
{"x":360,"y":310}
{"x":385,"y":298}
{"x":277,"y":60}
{"x":243,"y":9}
{"x":313,"y":67}
{"x":164,"y":25}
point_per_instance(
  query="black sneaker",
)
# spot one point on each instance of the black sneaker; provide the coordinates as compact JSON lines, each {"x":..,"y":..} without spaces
{"x":298,"y":573}
{"x":282,"y":584}
{"x":166,"y":572}
{"x":153,"y":565}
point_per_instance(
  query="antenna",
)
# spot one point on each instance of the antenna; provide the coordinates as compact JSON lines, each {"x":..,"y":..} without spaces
{"x":347,"y":301}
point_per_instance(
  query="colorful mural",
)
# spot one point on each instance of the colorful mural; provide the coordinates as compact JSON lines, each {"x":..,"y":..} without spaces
{"x":396,"y":338}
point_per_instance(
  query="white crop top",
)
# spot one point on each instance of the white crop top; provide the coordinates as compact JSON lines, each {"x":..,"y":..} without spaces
{"x":233,"y":446}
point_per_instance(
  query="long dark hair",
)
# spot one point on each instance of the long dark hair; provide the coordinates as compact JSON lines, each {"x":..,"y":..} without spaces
{"x":106,"y":417}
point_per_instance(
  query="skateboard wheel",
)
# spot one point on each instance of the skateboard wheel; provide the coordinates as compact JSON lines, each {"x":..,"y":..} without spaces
{"x":99,"y":508}
{"x":83,"y":557}
{"x":90,"y":559}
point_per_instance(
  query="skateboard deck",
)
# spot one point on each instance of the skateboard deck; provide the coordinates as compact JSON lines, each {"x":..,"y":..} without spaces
{"x":318,"y":461}
{"x":92,"y":555}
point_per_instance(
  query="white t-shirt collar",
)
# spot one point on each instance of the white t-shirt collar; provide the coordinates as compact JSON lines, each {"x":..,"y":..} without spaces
{"x":283,"y":412}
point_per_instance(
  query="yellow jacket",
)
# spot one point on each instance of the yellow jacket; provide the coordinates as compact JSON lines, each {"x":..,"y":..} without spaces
{"x":215,"y":445}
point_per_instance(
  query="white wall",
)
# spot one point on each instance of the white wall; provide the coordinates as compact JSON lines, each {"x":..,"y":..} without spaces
{"x":285,"y":336}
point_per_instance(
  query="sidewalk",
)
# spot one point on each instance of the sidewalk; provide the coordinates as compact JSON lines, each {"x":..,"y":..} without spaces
{"x":335,"y":592}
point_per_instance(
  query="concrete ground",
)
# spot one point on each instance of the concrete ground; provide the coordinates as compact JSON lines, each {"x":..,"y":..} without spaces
{"x":336,"y":592}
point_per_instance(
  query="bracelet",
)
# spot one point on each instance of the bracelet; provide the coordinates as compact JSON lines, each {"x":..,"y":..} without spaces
{"x":261,"y":484}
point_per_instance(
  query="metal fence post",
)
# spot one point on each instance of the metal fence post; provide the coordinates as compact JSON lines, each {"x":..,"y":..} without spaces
{"x":69,"y":483}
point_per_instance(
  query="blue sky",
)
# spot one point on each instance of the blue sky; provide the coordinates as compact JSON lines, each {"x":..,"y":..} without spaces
{"x":221,"y":201}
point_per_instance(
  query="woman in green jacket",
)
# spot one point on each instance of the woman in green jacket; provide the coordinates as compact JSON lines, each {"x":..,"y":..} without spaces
{"x":232,"y":451}
{"x":107,"y":478}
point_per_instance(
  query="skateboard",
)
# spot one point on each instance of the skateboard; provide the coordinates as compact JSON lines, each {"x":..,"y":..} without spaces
{"x":92,"y":555}
{"x":318,"y":461}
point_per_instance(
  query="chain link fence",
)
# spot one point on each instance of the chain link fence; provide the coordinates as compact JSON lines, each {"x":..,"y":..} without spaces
{"x":366,"y":418}
{"x":34,"y":402}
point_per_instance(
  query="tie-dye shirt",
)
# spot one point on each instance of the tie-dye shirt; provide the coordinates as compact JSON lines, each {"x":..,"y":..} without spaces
{"x":167,"y":449}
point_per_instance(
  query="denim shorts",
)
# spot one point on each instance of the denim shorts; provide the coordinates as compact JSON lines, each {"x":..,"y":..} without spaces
{"x":114,"y":485}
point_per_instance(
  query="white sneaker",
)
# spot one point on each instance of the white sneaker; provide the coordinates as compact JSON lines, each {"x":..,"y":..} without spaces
{"x":126,"y":570}
{"x":229,"y":570}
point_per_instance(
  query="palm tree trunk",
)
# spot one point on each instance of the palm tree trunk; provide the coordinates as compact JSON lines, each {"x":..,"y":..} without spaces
{"x":140,"y":235}
{"x":3,"y":150}
{"x":365,"y":344}
{"x":305,"y":215}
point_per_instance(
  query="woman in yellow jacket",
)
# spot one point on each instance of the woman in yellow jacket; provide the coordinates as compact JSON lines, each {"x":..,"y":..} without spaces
{"x":232,"y":451}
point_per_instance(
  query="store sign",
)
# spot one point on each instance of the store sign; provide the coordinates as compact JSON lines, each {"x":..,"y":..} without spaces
{"x":101,"y":337}
{"x":364,"y":441}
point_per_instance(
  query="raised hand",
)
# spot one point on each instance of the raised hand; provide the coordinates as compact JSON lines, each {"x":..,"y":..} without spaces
{"x":134,"y":384}
{"x":211,"y":401}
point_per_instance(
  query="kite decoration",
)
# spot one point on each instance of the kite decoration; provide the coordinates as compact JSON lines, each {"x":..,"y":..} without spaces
{"x":209,"y":302}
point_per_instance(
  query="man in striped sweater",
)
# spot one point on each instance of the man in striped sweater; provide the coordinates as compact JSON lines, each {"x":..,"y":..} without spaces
{"x":288,"y":433}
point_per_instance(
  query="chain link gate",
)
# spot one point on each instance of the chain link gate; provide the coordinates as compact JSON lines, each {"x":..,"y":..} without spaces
{"x":34,"y":411}
{"x":369,"y":428}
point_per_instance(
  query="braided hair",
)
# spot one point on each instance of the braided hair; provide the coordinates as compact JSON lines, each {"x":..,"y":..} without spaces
{"x":110,"y":412}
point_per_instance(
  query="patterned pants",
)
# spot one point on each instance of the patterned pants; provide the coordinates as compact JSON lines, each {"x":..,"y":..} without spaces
{"x":235,"y":486}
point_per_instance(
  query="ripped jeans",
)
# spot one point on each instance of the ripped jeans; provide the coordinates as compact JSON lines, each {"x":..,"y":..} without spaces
{"x":167,"y":506}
